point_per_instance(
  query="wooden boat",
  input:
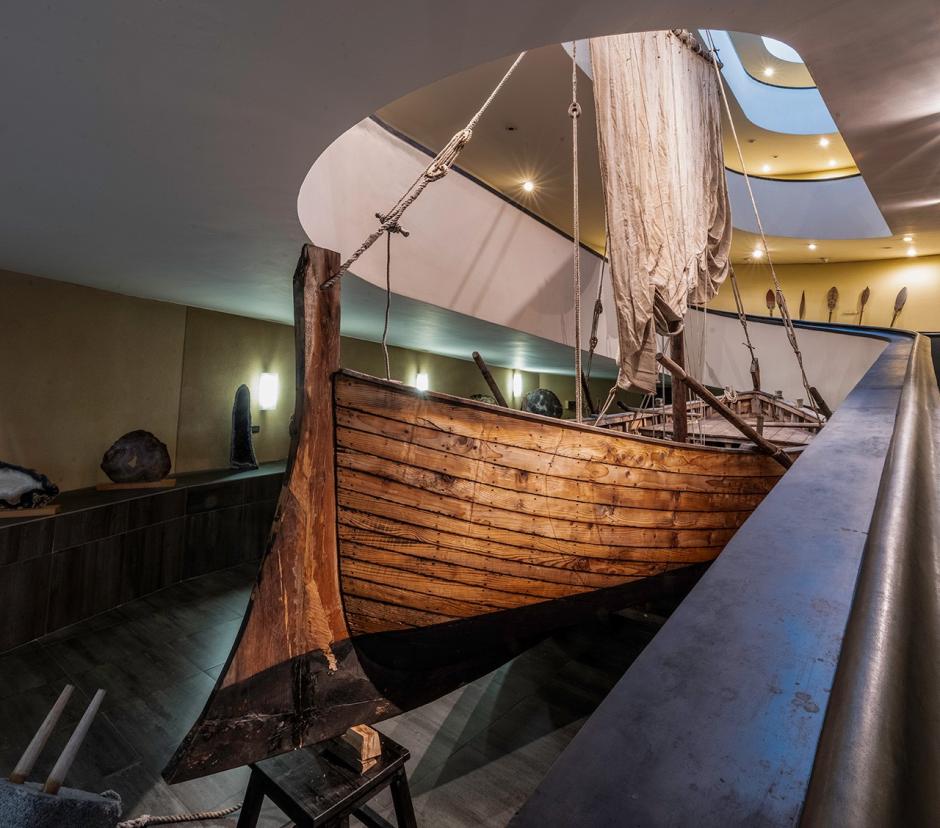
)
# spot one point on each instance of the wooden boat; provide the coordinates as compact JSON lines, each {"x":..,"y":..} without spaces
{"x":422,"y":539}
{"x":783,"y":423}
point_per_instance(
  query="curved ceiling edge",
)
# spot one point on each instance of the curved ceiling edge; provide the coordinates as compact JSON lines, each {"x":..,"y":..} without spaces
{"x":774,"y":108}
{"x":836,"y":208}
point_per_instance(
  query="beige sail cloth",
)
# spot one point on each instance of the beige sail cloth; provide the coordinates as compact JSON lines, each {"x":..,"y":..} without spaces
{"x":662,"y":166}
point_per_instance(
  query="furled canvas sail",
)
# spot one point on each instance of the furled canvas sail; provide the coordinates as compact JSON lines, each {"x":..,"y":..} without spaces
{"x":659,"y":137}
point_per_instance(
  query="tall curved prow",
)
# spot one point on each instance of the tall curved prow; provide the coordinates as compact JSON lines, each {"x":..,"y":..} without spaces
{"x":292,"y":656}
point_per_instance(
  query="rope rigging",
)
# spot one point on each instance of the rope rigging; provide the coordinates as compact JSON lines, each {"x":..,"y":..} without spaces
{"x":574,"y":110}
{"x":781,"y":300}
{"x":437,"y":169}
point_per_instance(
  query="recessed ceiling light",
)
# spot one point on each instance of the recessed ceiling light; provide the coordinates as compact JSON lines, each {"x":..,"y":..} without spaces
{"x":757,"y":253}
{"x":765,"y":168}
{"x":911,"y":251}
{"x":528,"y":186}
{"x":908,"y":239}
{"x":832,"y":162}
{"x":824,"y":141}
{"x":768,"y":71}
{"x":812,"y":245}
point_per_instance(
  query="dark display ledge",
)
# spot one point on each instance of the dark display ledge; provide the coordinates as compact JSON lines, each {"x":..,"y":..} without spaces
{"x":106,"y":548}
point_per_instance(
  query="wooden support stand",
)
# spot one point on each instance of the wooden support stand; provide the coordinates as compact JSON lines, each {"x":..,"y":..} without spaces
{"x":166,"y":483}
{"x":494,"y":388}
{"x":763,"y":445}
{"x":314,"y":790}
{"x":39,"y":511}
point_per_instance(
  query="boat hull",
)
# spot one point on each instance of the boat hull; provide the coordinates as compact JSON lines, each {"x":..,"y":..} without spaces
{"x":421,"y":540}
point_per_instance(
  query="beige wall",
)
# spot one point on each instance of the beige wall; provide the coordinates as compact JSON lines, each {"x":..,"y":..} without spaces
{"x":82,"y":366}
{"x":223,"y":351}
{"x":920,"y":275}
{"x":79,"y":368}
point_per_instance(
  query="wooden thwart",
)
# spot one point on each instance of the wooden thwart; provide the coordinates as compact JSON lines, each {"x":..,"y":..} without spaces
{"x":747,"y":430}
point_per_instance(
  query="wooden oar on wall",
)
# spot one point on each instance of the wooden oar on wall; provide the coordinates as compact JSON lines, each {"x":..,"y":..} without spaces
{"x":832,"y":298}
{"x":771,"y":302}
{"x":899,"y":305}
{"x":803,"y":305}
{"x":862,"y":301}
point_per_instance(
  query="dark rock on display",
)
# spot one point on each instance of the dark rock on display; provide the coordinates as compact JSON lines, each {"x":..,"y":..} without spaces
{"x":242,"y":454}
{"x":22,"y":488}
{"x":137,"y":457}
{"x":544,"y":402}
{"x":486,"y":398}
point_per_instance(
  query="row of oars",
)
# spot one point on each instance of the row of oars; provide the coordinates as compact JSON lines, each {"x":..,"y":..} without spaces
{"x":61,"y":768}
{"x":832,"y":299}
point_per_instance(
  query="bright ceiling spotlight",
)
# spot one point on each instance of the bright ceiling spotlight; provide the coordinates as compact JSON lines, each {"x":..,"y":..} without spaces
{"x":812,"y":245}
{"x":907,"y":239}
{"x":765,"y":168}
{"x":824,"y":141}
{"x":768,"y":71}
{"x":911,"y":251}
{"x":757,"y":253}
{"x":832,"y":162}
{"x":528,"y":186}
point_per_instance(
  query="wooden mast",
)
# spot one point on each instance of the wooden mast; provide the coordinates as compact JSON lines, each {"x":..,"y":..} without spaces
{"x":680,"y":418}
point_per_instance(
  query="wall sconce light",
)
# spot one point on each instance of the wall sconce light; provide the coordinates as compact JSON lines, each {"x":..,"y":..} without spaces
{"x":421,"y":381}
{"x":516,"y":384}
{"x":267,"y":392}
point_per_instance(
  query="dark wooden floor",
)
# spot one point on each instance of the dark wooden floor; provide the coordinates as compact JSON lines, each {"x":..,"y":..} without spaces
{"x":477,"y":753}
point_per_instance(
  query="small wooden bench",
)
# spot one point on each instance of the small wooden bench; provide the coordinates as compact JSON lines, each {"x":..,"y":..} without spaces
{"x":315,"y":789}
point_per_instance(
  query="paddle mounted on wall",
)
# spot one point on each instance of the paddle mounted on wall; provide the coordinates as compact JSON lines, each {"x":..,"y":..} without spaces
{"x":803,"y":305}
{"x":832,"y":299}
{"x":898,"y":304}
{"x":862,"y":301}
{"x":771,"y":302}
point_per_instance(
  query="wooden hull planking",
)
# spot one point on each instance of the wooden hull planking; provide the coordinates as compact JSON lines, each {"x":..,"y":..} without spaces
{"x":421,"y":540}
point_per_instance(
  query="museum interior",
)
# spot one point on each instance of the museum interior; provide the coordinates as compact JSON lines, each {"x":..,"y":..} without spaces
{"x":433,"y":415}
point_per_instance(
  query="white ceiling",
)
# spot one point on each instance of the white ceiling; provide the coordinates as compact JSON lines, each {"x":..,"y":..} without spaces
{"x":157,"y":148}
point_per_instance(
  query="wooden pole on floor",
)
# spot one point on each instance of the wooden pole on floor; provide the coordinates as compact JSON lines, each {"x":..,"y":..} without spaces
{"x":763,"y":445}
{"x":484,"y":369}
{"x":680,"y":417}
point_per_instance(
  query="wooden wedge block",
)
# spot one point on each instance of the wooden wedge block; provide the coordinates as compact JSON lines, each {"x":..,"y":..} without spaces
{"x":358,"y":748}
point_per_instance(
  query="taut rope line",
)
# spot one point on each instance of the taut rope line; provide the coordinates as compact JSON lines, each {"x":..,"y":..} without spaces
{"x":781,"y":299}
{"x":437,"y":169}
{"x":575,"y":112}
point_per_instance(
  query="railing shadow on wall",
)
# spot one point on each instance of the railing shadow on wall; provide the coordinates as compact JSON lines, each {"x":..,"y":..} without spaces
{"x":799,"y":678}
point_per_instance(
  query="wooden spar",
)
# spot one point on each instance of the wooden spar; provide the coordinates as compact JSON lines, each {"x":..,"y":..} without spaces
{"x":70,"y":751}
{"x":763,"y":445}
{"x":821,"y":404}
{"x":494,"y":387}
{"x":587,"y":395}
{"x":680,"y":418}
{"x":25,"y":766}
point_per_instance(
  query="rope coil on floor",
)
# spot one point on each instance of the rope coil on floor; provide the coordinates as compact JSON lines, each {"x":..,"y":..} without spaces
{"x":148,"y":819}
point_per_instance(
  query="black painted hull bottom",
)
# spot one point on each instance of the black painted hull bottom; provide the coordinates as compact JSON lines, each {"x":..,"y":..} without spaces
{"x":301,"y":701}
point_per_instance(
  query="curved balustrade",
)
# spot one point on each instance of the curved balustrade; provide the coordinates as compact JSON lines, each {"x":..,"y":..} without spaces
{"x":815,"y":630}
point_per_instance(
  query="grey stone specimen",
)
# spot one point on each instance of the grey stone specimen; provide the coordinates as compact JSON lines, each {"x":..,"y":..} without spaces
{"x":26,"y":806}
{"x":486,"y":398}
{"x":22,"y":488}
{"x":137,"y":457}
{"x":544,"y":402}
{"x":242,"y":454}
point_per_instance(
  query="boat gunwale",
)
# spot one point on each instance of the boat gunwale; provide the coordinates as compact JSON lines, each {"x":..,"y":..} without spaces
{"x":528,"y":416}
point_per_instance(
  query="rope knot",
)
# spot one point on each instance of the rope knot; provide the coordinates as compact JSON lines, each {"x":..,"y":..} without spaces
{"x":574,"y":110}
